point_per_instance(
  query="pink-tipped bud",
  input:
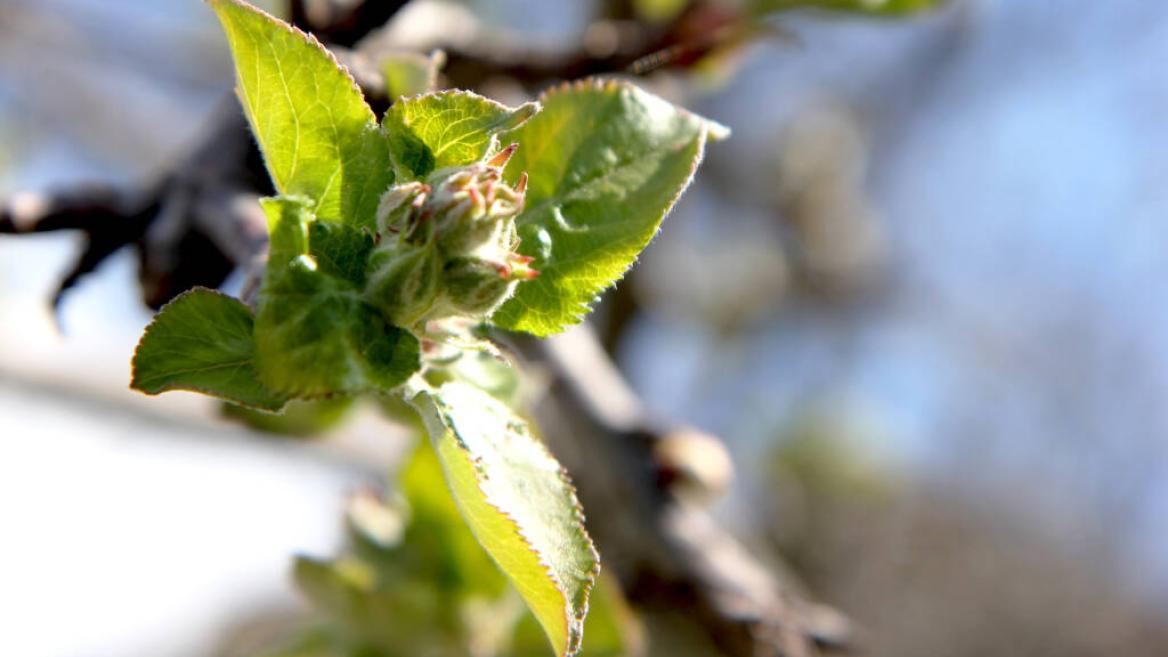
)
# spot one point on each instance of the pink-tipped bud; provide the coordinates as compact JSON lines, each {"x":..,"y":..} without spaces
{"x":476,"y":196}
{"x":501,"y":158}
{"x":399,"y":205}
{"x":452,"y":250}
{"x":503,"y":268}
{"x":489,"y":192}
{"x":519,"y":267}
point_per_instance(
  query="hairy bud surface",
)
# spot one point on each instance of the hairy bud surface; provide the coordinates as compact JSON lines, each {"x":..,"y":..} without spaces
{"x":446,"y":246}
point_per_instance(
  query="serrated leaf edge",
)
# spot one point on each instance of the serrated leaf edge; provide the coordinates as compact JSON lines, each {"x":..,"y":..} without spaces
{"x":135,"y":380}
{"x":715,"y":131}
{"x":534,"y":105}
{"x":311,"y":40}
{"x":575,"y":624}
{"x":586,"y":307}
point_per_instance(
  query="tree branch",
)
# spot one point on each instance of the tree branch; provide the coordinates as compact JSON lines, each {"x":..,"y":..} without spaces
{"x":341,"y":22}
{"x":664,"y":547}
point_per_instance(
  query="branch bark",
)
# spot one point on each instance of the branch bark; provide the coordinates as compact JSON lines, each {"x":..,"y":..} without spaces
{"x":664,"y":547}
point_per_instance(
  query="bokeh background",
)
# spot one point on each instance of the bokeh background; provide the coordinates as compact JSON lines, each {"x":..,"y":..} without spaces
{"x":919,"y":293}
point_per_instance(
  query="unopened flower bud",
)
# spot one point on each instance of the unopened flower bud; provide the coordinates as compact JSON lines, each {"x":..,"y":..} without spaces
{"x":401,"y":208}
{"x":447,"y":246}
{"x":475,"y":287}
{"x":473,"y":205}
{"x":404,"y":281}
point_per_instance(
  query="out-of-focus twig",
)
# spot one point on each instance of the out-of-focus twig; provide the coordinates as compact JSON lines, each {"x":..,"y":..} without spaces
{"x":613,"y":44}
{"x":342,"y":22}
{"x":192,"y":227}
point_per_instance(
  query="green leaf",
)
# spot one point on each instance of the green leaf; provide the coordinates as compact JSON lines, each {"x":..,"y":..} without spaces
{"x":448,"y":128}
{"x":348,"y":591}
{"x":298,"y":419}
{"x":486,"y":369}
{"x":519,"y":504}
{"x":414,"y":580}
{"x":659,"y":11}
{"x":606,"y":163}
{"x":411,"y":73}
{"x":453,"y":560}
{"x":874,"y":7}
{"x":202,"y":341}
{"x":318,"y":136}
{"x":613,"y":630}
{"x":314,"y":335}
{"x":310,"y":642}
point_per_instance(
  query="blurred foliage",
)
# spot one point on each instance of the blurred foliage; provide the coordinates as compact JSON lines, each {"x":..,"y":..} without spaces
{"x":414,"y":581}
{"x":493,"y":373}
{"x":659,"y":11}
{"x":874,"y":7}
{"x":517,"y":502}
{"x":410,"y":73}
{"x":298,"y":418}
{"x":822,"y":454}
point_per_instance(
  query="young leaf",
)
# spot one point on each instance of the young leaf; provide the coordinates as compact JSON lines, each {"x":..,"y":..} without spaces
{"x":518,"y":503}
{"x":318,"y":136}
{"x":606,"y":161}
{"x":612,"y":628}
{"x":454,"y":562}
{"x":202,"y":341}
{"x":448,"y":128}
{"x":298,"y":419}
{"x":876,"y":7}
{"x":314,"y":335}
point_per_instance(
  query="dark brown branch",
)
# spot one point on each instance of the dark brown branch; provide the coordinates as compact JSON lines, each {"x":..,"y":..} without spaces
{"x":665,"y":549}
{"x":193,"y":227}
{"x":109,"y":218}
{"x":343,"y":23}
{"x":612,"y":45}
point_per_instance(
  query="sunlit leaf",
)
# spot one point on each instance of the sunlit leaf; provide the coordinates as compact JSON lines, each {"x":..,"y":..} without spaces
{"x":413,"y":571}
{"x":202,"y":341}
{"x":314,"y":334}
{"x":484,"y":369}
{"x":298,"y":418}
{"x":611,"y":630}
{"x":447,"y":128}
{"x":318,"y":136}
{"x":436,"y":529}
{"x":518,"y":503}
{"x":606,"y":163}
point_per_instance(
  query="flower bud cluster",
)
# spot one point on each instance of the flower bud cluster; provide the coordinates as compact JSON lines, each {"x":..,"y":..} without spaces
{"x":446,"y":247}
